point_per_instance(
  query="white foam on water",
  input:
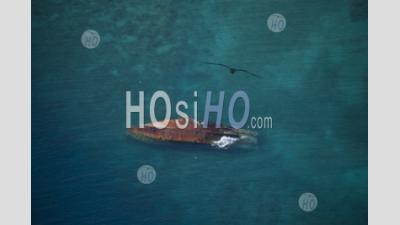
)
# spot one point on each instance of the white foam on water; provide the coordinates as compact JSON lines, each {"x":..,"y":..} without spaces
{"x":224,"y":142}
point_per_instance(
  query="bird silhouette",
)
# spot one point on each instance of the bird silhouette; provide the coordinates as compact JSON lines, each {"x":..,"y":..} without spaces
{"x":233,"y":70}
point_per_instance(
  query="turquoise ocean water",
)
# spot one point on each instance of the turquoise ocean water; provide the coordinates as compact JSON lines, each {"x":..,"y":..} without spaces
{"x":314,"y":87}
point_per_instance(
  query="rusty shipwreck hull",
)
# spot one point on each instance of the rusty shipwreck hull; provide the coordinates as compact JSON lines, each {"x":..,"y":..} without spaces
{"x":223,"y":137}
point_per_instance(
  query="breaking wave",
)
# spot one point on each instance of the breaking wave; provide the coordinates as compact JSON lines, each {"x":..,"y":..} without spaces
{"x":224,"y":142}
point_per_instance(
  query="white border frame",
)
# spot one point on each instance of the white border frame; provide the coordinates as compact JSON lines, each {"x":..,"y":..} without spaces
{"x":15,"y":119}
{"x":383,"y":112}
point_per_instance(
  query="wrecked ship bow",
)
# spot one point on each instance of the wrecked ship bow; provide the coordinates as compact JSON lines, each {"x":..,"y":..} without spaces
{"x":194,"y":132}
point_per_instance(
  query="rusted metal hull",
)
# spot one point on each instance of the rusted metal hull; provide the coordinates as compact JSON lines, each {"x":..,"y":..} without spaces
{"x":194,"y":133}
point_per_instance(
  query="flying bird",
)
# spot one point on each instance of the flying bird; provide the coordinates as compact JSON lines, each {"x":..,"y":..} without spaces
{"x":233,"y":70}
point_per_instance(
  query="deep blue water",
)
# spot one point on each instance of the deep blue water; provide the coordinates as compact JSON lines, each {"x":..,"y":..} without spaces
{"x":315,"y":88}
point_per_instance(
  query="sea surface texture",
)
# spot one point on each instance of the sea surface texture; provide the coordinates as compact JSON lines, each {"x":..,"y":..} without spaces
{"x":314,"y":86}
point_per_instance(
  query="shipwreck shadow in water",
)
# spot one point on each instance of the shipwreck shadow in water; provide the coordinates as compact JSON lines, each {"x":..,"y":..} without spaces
{"x":194,"y":148}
